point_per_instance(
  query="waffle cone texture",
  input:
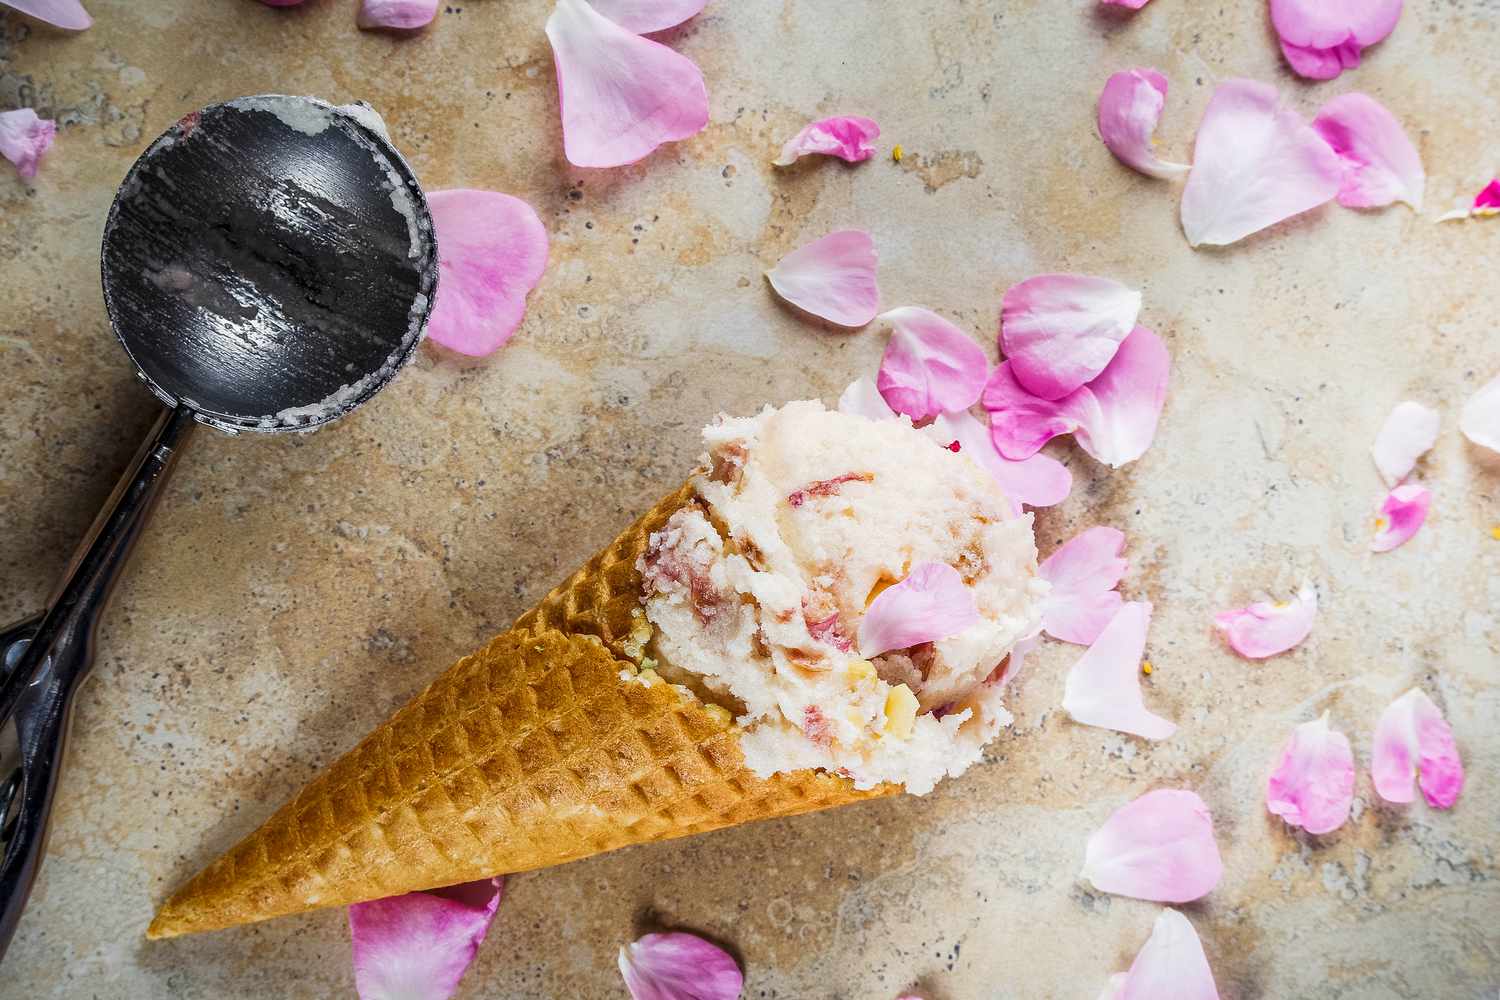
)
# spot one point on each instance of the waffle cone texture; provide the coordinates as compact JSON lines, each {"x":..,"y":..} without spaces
{"x":533,"y":751}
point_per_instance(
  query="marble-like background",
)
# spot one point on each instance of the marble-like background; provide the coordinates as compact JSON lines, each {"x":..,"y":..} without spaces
{"x":294,"y":590}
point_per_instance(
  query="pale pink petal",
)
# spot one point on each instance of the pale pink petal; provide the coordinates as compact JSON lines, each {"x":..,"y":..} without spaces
{"x":1170,"y":965}
{"x":646,"y":16}
{"x":1083,"y":574}
{"x":1132,"y":4}
{"x":1265,"y":629}
{"x":1480,"y":420}
{"x":1380,"y":163}
{"x":1413,"y":740}
{"x":622,"y":95}
{"x":932,"y":603}
{"x":492,"y":250}
{"x":24,"y":138}
{"x":1104,"y":687}
{"x":848,"y":137}
{"x":61,"y":13}
{"x":930,"y":366}
{"x":1313,"y":784}
{"x":1403,"y":512}
{"x":679,"y":966}
{"x":1321,"y":38}
{"x":833,"y":278}
{"x":861,"y":399}
{"x":1407,"y":434}
{"x":1129,"y":108}
{"x":1159,"y":847}
{"x":1255,"y":163}
{"x":1058,"y":331}
{"x":1038,"y":481}
{"x":402,"y":15}
{"x":417,"y":946}
{"x":1114,"y":417}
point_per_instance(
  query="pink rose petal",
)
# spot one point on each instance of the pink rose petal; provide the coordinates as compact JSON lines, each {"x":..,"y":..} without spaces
{"x":1132,"y":4}
{"x":861,"y":399}
{"x":1264,"y":629}
{"x":1058,"y":331}
{"x":1170,"y":965}
{"x":932,"y":603}
{"x":1104,"y":687}
{"x":24,"y":138}
{"x":930,"y":366}
{"x":1322,"y":38}
{"x":402,"y":15}
{"x":1313,"y":784}
{"x":1129,"y":108}
{"x":1380,"y":163}
{"x":848,"y":137}
{"x":1407,"y":434}
{"x":832,"y":278}
{"x":1159,"y":847}
{"x":646,"y":16}
{"x":1413,"y":740}
{"x":1255,"y":163}
{"x":1038,"y":481}
{"x":492,"y":251}
{"x":1021,"y":422}
{"x":1480,"y":420}
{"x":1487,"y":201}
{"x":679,"y":966}
{"x":417,"y":946}
{"x":1083,"y":574}
{"x":622,"y":95}
{"x":60,"y":13}
{"x":1403,"y":512}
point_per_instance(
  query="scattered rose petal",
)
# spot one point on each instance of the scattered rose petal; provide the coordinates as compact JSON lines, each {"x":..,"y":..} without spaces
{"x":679,"y":966}
{"x":832,"y":278}
{"x":1159,"y":847}
{"x":1113,"y":418}
{"x":1407,"y":434}
{"x":402,"y":15}
{"x":861,"y":399}
{"x":1403,"y":512}
{"x":621,"y":95}
{"x":1380,"y":163}
{"x":1412,"y":739}
{"x":1132,"y":4}
{"x":1480,"y":420}
{"x":1129,"y":108}
{"x":417,"y":946}
{"x":930,"y":366}
{"x":24,"y":138}
{"x":932,"y":603}
{"x":1486,"y":203}
{"x":1322,"y":38}
{"x":1313,"y":784}
{"x":1265,"y":629}
{"x":646,"y":16}
{"x":1170,"y":964}
{"x":1255,"y":163}
{"x":59,"y":13}
{"x":1059,"y":331}
{"x":1083,"y":574}
{"x":1104,"y":687}
{"x":1038,"y":481}
{"x":848,"y":137}
{"x":492,"y":250}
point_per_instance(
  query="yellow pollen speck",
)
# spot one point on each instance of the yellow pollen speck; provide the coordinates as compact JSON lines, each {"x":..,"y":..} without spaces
{"x":1380,"y":523}
{"x":897,"y":152}
{"x":1495,"y":532}
{"x":1146,"y":667}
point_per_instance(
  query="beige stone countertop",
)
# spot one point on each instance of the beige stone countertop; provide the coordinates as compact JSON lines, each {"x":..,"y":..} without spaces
{"x":294,"y":590}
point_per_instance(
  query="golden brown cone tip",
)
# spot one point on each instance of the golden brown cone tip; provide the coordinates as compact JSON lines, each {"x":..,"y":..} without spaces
{"x":547,"y":745}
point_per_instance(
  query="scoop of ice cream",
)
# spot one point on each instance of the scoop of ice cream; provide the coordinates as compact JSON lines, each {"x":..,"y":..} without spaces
{"x":757,"y":591}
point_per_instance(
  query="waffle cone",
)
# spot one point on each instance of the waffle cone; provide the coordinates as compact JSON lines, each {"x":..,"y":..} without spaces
{"x":533,"y":751}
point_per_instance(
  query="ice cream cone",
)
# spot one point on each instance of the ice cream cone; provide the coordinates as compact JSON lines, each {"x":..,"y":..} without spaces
{"x":547,"y":745}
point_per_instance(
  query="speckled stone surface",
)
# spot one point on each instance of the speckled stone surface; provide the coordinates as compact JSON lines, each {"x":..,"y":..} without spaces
{"x":294,"y":590}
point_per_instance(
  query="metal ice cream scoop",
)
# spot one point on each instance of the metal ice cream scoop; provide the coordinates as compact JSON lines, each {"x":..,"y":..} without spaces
{"x":269,"y":265}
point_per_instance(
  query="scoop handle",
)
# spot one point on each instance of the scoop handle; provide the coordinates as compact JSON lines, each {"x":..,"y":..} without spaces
{"x":47,"y":659}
